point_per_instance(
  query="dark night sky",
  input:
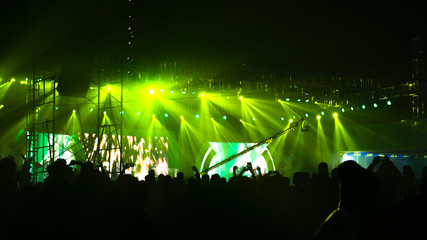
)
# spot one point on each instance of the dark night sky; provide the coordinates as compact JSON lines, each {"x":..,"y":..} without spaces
{"x":369,"y":39}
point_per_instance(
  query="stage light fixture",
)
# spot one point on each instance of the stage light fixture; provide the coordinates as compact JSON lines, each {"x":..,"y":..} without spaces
{"x":307,"y":100}
{"x":105,"y":113}
{"x":306,"y":115}
{"x":288,"y":99}
{"x":202,"y":95}
{"x":253,"y":119}
{"x":298,"y":100}
{"x":363,"y":106}
{"x":318,"y":117}
{"x":389,"y":102}
{"x":335,"y":115}
{"x":323,"y":113}
{"x":241,"y":97}
{"x":375,"y":105}
{"x":91,"y":110}
{"x":138,"y":113}
{"x":224,"y":117}
{"x":212,"y":119}
{"x":342,"y":109}
{"x":351,"y":108}
{"x":166,"y":115}
{"x":74,"y":110}
{"x":151,"y":91}
{"x":290,"y":120}
{"x":282,"y":118}
{"x":182,"y":117}
{"x":55,"y":108}
{"x":197,"y":116}
{"x":154,"y":115}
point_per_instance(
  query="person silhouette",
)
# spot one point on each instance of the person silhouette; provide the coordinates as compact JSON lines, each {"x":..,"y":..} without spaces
{"x":358,"y":191}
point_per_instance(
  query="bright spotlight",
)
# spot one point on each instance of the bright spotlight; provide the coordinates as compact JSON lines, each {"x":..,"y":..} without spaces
{"x":241,"y":97}
{"x":290,"y":120}
{"x":375,"y":105}
{"x":342,"y":109}
{"x":363,"y":106}
{"x":282,"y":118}
{"x":224,"y":117}
{"x":288,"y":99}
{"x":154,"y":115}
{"x":318,"y":117}
{"x":166,"y":115}
{"x":108,"y":87}
{"x":197,"y":116}
{"x":323,"y":113}
{"x":253,"y":119}
{"x":389,"y":103}
{"x":335,"y":115}
{"x":182,"y":117}
{"x":298,"y":100}
{"x":74,"y":110}
{"x":138,"y":113}
{"x":151,"y":91}
{"x":240,"y":120}
{"x":202,"y":95}
{"x":212,"y":119}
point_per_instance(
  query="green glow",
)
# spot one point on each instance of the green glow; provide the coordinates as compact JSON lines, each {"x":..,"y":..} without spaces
{"x":342,"y":109}
{"x":306,"y":115}
{"x":351,"y":108}
{"x":288,"y":99}
{"x":282,"y":118}
{"x":318,"y":117}
{"x":224,"y":117}
{"x":323,"y":113}
{"x":197,"y":116}
{"x":335,"y":115}
{"x":307,"y":100}
{"x":166,"y":115}
{"x":253,"y":119}
{"x":389,"y":103}
{"x":375,"y":105}
{"x":290,"y":120}
{"x":363,"y":106}
{"x":298,"y":100}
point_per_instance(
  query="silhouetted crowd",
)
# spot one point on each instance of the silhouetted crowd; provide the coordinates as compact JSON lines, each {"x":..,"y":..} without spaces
{"x":352,"y":202}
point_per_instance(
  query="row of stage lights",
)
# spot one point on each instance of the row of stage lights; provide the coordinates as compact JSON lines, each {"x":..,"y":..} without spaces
{"x":224,"y":117}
